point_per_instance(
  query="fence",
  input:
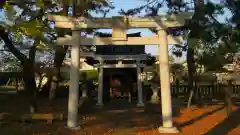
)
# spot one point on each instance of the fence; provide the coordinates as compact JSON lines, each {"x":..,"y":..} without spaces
{"x":203,"y":91}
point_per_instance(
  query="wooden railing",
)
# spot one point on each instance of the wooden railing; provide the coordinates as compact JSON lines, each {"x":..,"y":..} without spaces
{"x":203,"y":91}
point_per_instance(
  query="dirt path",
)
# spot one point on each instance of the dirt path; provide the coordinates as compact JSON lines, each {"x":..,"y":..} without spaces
{"x":122,"y":118}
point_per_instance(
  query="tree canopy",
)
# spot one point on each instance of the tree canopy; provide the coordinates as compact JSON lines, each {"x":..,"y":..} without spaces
{"x":26,"y":27}
{"x":215,"y":39}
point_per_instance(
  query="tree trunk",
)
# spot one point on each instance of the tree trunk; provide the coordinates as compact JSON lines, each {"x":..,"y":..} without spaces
{"x":227,"y":92}
{"x":190,"y":56}
{"x":29,"y":79}
{"x":55,"y":79}
{"x":16,"y":83}
{"x":28,"y":69}
{"x":60,"y":53}
{"x":30,"y":86}
{"x":191,"y":71}
{"x":53,"y":87}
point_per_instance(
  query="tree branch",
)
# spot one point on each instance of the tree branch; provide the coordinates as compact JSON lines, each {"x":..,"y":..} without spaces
{"x":4,"y":50}
{"x":8,"y":43}
{"x":32,"y":53}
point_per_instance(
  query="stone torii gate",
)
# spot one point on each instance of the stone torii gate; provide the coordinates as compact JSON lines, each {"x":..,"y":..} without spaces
{"x":119,"y":25}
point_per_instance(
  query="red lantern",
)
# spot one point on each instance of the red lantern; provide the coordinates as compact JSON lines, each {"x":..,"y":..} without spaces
{"x":115,"y":83}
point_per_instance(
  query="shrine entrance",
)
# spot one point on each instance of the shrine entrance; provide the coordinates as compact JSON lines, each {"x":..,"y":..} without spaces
{"x":121,"y":67}
{"x":115,"y":66}
{"x":118,"y":83}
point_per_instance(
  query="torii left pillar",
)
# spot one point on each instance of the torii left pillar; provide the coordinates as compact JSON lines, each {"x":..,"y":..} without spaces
{"x":74,"y":82}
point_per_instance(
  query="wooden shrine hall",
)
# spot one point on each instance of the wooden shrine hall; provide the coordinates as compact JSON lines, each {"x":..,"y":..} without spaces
{"x":120,"y":63}
{"x":119,"y":26}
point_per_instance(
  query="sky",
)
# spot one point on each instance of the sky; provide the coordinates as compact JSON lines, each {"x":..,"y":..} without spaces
{"x":129,"y":4}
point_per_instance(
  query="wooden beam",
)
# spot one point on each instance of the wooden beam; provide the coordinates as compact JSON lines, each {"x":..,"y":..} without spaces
{"x":109,"y":41}
{"x":119,"y":65}
{"x":49,"y":117}
{"x":119,"y":33}
{"x":160,"y":22}
{"x":121,"y":57}
{"x":102,"y":34}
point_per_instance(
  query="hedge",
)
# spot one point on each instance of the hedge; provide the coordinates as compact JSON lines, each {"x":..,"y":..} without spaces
{"x":91,"y":74}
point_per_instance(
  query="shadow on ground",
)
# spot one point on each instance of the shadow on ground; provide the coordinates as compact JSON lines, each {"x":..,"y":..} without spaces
{"x":199,"y":118}
{"x":230,"y":123}
{"x":117,"y":117}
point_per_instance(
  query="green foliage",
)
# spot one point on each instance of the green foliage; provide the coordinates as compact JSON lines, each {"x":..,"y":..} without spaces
{"x":177,"y":70}
{"x":9,"y":63}
{"x":214,"y":39}
{"x":40,"y":3}
{"x":10,"y":11}
{"x":29,"y":20}
{"x":91,"y":74}
{"x":33,"y":28}
{"x":150,"y":60}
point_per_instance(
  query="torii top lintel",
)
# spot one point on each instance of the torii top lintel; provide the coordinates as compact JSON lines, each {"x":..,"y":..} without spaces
{"x":122,"y":22}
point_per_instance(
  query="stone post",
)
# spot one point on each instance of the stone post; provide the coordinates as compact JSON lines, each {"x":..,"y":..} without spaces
{"x":100,"y":87}
{"x":139,"y":86}
{"x":154,"y":97}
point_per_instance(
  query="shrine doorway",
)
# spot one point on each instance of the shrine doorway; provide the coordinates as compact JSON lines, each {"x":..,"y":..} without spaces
{"x":118,"y":83}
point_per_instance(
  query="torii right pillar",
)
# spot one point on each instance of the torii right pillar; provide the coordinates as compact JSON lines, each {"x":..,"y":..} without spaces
{"x":167,"y":121}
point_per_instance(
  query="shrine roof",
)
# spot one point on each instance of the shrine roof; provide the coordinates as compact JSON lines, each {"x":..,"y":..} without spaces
{"x":101,"y":34}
